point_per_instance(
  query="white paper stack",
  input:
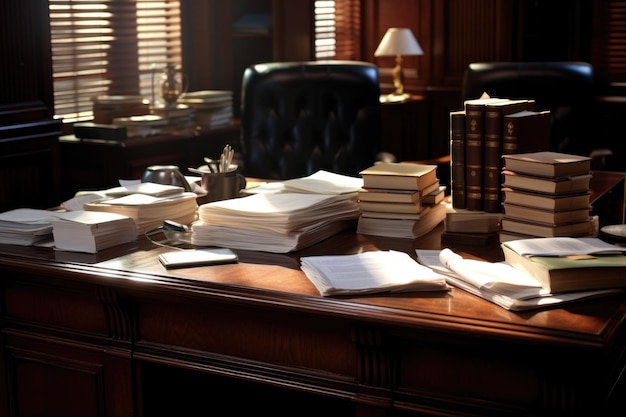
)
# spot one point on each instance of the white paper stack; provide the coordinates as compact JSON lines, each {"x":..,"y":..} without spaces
{"x":25,"y":226}
{"x":278,"y":223}
{"x":149,"y":211}
{"x":91,"y":231}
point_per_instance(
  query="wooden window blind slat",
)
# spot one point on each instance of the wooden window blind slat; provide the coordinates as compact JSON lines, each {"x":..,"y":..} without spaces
{"x":110,"y":47}
{"x":338,"y":29}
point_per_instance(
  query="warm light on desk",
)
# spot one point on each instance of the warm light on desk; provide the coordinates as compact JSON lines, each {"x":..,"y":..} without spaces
{"x":398,"y":42}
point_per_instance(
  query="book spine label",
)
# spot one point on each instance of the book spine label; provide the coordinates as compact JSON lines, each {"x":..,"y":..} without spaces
{"x":491,"y":159}
{"x":474,"y":129}
{"x":457,"y":159}
{"x":493,"y":149}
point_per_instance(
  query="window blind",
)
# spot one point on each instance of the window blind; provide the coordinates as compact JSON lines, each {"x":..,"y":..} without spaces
{"x":611,"y":43}
{"x":338,"y":29}
{"x":114,"y":47}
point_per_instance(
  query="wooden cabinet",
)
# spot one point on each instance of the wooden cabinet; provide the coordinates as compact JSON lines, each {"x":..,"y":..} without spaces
{"x":29,"y":164}
{"x":95,"y":164}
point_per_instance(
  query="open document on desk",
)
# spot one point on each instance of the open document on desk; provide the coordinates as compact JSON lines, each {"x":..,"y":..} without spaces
{"x":499,"y":283}
{"x":370,"y":272}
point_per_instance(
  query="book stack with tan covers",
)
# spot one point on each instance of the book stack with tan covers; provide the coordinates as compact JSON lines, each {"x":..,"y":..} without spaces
{"x":546,"y":194}
{"x":400,"y":200}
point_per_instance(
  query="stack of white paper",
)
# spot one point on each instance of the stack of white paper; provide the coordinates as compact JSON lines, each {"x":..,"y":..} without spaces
{"x":25,"y":226}
{"x":279,"y":223}
{"x":149,"y":211}
{"x":91,"y":231}
{"x":370,"y":272}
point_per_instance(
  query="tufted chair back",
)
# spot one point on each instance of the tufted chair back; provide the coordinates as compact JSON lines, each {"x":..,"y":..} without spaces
{"x":299,"y":117}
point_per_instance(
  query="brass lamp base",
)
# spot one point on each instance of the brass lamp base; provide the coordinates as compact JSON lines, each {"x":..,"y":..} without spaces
{"x":394,"y":98}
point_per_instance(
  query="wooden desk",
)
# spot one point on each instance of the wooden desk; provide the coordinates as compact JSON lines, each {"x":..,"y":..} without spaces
{"x":608,"y":196}
{"x":117,"y":335}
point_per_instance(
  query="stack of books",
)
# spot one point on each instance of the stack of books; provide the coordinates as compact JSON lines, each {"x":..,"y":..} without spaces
{"x":470,"y":227}
{"x":179,"y":119}
{"x":546,"y":194}
{"x":480,"y":133}
{"x":213,"y":108}
{"x":400,"y":200}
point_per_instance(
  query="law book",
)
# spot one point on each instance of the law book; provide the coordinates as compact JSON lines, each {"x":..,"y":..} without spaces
{"x":399,"y":176}
{"x":457,"y":158}
{"x":474,"y":149}
{"x":506,"y":236}
{"x":381,"y":206}
{"x":493,"y":149}
{"x":469,"y":239}
{"x":402,"y":228}
{"x":559,"y":274}
{"x":547,"y":164}
{"x":576,"y":229}
{"x":395,"y":215}
{"x":471,"y":221}
{"x":389,"y":195}
{"x":547,"y":185}
{"x":90,"y":231}
{"x":434,"y":197}
{"x":526,"y":131}
{"x":546,"y":201}
{"x":546,"y":216}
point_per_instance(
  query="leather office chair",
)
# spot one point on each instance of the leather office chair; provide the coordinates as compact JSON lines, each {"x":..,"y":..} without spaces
{"x":299,"y":117}
{"x":564,"y":88}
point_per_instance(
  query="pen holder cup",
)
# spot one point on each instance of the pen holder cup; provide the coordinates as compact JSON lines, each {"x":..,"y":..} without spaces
{"x":222,"y":185}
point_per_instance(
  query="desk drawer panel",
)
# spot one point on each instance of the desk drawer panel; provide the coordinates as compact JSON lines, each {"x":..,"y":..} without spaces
{"x":279,"y":337}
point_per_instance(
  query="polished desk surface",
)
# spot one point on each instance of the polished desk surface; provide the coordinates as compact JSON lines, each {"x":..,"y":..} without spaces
{"x":276,"y":279}
{"x":122,"y":317}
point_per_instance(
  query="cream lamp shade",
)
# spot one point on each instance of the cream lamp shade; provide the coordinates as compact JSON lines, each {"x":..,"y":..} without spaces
{"x":398,"y":42}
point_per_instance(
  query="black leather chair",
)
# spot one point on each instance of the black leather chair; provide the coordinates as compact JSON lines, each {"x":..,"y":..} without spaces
{"x":564,"y":88}
{"x":299,"y":117}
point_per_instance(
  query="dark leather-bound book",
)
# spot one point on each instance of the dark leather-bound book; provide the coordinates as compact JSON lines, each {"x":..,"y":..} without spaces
{"x":492,"y":150}
{"x":457,"y":158}
{"x":526,"y":131}
{"x":474,"y":141}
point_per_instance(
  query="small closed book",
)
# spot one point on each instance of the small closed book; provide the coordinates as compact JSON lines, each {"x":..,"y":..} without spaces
{"x":533,"y":228}
{"x":400,"y":176}
{"x":547,"y":201}
{"x":547,"y":185}
{"x":571,"y":273}
{"x":546,"y":216}
{"x":389,"y":195}
{"x":197,"y":257}
{"x":547,"y":164}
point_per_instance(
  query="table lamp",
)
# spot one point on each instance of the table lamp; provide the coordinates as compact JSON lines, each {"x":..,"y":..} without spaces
{"x":398,"y":42}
